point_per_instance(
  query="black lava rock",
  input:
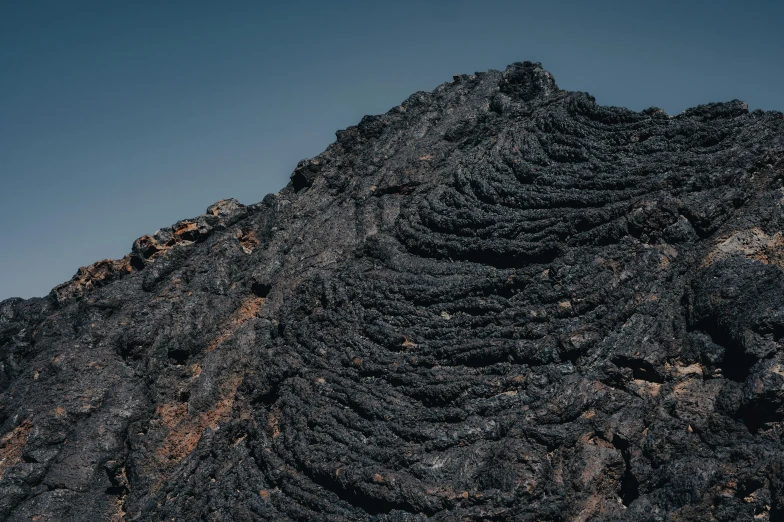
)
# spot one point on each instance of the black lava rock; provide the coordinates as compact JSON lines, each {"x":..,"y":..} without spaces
{"x":498,"y":301}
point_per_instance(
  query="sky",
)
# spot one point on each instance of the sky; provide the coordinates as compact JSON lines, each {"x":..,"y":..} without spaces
{"x":118,"y":118}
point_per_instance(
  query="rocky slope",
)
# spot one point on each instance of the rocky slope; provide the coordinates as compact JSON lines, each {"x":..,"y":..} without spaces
{"x":498,"y":301}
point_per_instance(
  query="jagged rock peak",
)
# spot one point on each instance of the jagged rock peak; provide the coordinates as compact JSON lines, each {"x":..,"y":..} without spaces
{"x":528,"y":80}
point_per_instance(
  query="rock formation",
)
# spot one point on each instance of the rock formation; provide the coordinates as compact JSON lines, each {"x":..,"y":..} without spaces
{"x":498,"y":301}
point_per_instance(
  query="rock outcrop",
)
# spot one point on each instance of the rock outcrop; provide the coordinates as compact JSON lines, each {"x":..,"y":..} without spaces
{"x":497,"y":301}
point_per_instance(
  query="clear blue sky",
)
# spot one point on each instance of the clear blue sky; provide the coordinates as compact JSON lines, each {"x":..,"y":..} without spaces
{"x":118,"y":117}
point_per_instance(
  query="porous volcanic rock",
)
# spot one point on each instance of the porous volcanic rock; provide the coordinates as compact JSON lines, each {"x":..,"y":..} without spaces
{"x":498,"y":301}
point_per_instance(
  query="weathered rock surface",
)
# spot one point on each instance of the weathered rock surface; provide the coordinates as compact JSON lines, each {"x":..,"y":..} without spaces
{"x":498,"y":301}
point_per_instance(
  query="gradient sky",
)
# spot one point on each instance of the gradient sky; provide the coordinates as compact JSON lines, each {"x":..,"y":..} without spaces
{"x":121,"y":117}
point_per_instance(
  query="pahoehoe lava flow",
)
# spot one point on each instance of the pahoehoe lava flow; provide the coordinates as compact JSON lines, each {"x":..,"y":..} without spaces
{"x":498,"y":301}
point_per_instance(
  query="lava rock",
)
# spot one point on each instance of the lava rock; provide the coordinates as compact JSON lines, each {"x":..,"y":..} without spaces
{"x":497,"y":301}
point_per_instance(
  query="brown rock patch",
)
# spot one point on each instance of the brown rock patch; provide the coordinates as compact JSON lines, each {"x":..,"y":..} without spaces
{"x":92,"y":276}
{"x":12,"y":445}
{"x":186,"y":429}
{"x":247,"y":311}
{"x":752,"y":244}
